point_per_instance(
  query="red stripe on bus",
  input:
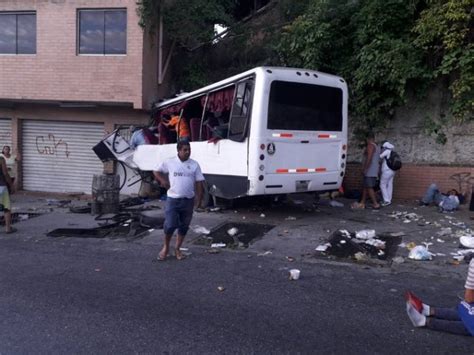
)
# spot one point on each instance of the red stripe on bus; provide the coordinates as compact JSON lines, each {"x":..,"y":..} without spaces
{"x":286,"y":135}
{"x":282,"y":170}
{"x":320,"y":169}
{"x":301,"y":170}
{"x":323,"y":136}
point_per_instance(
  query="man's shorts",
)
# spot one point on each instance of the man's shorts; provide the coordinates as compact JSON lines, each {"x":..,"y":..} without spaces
{"x":370,"y":182}
{"x":4,"y":198}
{"x":178,"y":214}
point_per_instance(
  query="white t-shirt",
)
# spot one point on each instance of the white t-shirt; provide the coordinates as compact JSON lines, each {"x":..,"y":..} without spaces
{"x":182,"y":176}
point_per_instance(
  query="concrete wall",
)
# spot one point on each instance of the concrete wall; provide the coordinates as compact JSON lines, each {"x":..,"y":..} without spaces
{"x":56,"y":72}
{"x":450,"y":165}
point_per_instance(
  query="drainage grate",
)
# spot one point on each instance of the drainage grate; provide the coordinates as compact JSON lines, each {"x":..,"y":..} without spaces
{"x":245,"y":233}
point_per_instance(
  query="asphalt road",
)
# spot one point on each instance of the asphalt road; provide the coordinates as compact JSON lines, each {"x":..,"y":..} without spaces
{"x":107,"y":296}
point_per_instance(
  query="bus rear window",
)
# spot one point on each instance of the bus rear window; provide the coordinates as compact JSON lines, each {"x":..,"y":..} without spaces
{"x":304,"y":107}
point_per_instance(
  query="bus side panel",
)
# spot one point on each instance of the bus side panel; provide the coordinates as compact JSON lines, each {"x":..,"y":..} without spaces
{"x":224,"y":163}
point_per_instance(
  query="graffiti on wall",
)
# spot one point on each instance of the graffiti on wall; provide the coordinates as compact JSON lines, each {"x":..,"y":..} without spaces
{"x":50,"y":145}
{"x":464,"y":180}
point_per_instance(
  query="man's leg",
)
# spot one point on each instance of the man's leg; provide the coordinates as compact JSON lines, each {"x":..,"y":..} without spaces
{"x":185,"y":216}
{"x":371,"y":194}
{"x":449,"y":326}
{"x":430,"y":193}
{"x":171,"y":222}
{"x":8,"y":220}
{"x":166,"y":247}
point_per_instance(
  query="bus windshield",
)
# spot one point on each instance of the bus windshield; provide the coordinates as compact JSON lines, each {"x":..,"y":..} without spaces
{"x":304,"y":107}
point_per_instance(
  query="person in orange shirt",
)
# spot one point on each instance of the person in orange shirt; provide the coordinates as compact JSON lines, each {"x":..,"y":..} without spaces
{"x":180,"y":125}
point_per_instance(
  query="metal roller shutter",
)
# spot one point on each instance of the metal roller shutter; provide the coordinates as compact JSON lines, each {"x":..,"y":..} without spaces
{"x":5,"y":132}
{"x":58,"y":157}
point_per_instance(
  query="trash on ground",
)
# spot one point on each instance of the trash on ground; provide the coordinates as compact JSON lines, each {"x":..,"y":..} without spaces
{"x":420,"y":252}
{"x":268,"y":252}
{"x":220,"y":288}
{"x":218,"y":245}
{"x":365,"y":234}
{"x":323,"y":247}
{"x":343,"y":244}
{"x":440,"y":240}
{"x":334,"y":203}
{"x":232,"y":231}
{"x":294,"y":274}
{"x":214,"y":209}
{"x":262,"y":215}
{"x":397,"y":234}
{"x":200,"y":230}
{"x":467,"y":242}
{"x":290,"y":259}
{"x":445,"y":231}
{"x":290,"y":218}
{"x":411,"y":245}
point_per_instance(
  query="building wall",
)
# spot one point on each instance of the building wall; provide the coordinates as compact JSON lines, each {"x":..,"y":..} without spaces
{"x":56,"y":72}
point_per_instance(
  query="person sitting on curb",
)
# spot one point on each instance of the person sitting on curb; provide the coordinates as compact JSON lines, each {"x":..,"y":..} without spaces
{"x":6,"y":185}
{"x":442,"y":319}
{"x":446,"y":202}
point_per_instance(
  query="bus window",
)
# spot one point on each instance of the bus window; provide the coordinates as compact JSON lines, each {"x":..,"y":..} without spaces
{"x":217,"y":113}
{"x":304,"y":107}
{"x":241,"y":111}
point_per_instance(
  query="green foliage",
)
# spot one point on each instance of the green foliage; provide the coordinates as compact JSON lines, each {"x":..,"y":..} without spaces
{"x":189,"y":22}
{"x":445,"y":32}
{"x":386,"y":50}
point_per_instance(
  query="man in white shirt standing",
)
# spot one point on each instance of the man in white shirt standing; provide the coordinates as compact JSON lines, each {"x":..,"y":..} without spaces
{"x":183,"y":178}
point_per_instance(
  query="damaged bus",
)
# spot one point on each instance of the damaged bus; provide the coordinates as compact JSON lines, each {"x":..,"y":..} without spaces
{"x":267,"y":131}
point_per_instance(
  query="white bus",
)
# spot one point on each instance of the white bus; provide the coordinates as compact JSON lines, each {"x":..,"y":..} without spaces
{"x":267,"y":131}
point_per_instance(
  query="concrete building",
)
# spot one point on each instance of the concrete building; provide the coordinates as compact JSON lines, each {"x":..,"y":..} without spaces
{"x":70,"y":72}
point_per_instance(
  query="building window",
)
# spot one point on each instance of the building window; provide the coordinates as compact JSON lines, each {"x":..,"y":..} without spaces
{"x":102,"y":32}
{"x":17,"y":33}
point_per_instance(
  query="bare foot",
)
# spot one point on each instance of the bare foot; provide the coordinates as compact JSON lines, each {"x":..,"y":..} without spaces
{"x":163,"y":254}
{"x":179,"y":254}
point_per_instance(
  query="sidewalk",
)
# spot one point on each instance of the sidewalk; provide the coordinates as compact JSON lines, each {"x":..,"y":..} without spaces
{"x":300,"y":227}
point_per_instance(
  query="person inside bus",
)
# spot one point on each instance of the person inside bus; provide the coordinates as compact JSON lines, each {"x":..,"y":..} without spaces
{"x":179,"y":124}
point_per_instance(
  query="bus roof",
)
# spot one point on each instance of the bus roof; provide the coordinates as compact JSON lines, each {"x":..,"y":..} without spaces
{"x":230,"y":80}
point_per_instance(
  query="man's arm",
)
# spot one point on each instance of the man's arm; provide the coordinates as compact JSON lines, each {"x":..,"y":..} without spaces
{"x":199,"y":193}
{"x":162,"y":179}
{"x":5,"y":173}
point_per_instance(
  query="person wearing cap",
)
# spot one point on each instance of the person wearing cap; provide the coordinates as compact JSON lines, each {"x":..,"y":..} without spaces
{"x":387,"y":175}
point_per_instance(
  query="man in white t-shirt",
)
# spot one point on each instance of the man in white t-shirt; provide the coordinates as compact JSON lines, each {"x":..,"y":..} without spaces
{"x":183,"y":178}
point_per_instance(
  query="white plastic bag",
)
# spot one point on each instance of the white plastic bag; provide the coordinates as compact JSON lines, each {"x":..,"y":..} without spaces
{"x":420,"y":253}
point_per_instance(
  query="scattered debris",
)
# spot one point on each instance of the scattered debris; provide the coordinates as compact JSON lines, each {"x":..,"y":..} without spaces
{"x":262,"y":215}
{"x":420,"y":253}
{"x":220,"y":288}
{"x":233,"y":231}
{"x":334,"y":203}
{"x":294,"y":274}
{"x":344,"y":244}
{"x":268,"y":252}
{"x":200,"y":230}
{"x":467,"y":242}
{"x":290,"y":259}
{"x":218,"y":245}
